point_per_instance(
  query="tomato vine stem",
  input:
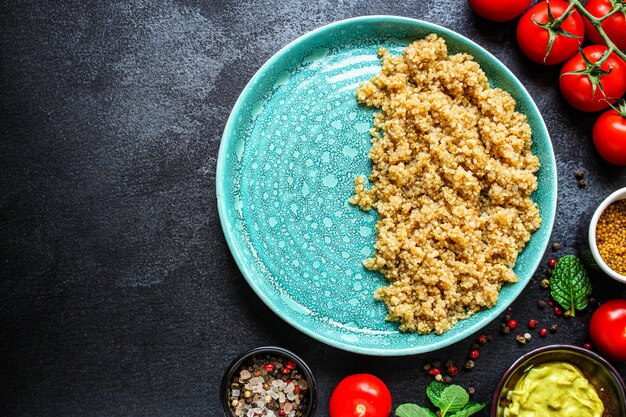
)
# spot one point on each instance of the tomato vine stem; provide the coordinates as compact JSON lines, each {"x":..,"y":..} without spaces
{"x":597,"y":23}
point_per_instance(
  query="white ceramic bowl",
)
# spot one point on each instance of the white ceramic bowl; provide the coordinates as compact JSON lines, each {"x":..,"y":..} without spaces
{"x":616,"y":196}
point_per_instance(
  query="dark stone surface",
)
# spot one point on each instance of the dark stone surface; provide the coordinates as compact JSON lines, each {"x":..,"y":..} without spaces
{"x":118,"y":293}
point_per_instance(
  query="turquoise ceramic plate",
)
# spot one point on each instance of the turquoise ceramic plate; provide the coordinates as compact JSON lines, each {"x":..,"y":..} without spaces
{"x":292,"y":146}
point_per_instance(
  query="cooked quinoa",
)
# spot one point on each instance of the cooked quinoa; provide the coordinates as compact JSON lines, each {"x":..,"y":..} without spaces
{"x":451,"y":180}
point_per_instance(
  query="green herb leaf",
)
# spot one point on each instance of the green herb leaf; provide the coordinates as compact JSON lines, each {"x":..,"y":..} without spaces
{"x":570,"y":285}
{"x":413,"y":410}
{"x":469,"y":409}
{"x":453,"y":398}
{"x":434,"y":391}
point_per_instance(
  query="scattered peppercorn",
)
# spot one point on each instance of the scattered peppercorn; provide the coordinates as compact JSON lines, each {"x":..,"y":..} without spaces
{"x":427,"y":366}
{"x":545,"y":283}
{"x":611,"y":236}
{"x":543,"y":332}
{"x":527,"y":336}
{"x":582,"y":183}
{"x":549,"y":272}
{"x":552,"y":262}
{"x":580,"y":174}
{"x":554,"y":328}
{"x":588,"y":346}
{"x":449,"y":363}
{"x":471,"y":390}
{"x":469,"y":364}
{"x":434,"y":371}
{"x":505,"y":329}
{"x":593,"y":300}
{"x":436,"y":364}
{"x":438,"y":377}
{"x":521,"y":339}
{"x":558,"y":311}
{"x":452,"y":370}
{"x":447,"y":379}
{"x":475,"y":346}
{"x":507,"y":317}
{"x":533,"y":324}
{"x":482,"y":339}
{"x":474,"y":354}
{"x":512,"y":324}
{"x":556,"y":246}
{"x":541,"y":304}
{"x":567,"y":314}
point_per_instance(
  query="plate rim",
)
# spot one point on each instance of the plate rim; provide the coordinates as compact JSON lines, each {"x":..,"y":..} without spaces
{"x":230,"y":239}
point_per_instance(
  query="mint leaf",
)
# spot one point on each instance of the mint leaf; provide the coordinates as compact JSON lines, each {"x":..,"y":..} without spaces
{"x":469,"y":409}
{"x":413,"y":410}
{"x":570,"y":285}
{"x":452,"y":399}
{"x":434,"y":391}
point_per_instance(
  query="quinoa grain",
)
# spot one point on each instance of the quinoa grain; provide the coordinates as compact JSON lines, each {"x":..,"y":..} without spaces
{"x":452,"y":177}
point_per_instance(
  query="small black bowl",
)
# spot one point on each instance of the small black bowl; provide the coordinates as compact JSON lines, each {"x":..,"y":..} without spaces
{"x":275,"y":351}
{"x":597,"y":370}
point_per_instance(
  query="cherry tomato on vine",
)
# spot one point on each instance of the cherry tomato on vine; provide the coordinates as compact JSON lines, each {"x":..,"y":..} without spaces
{"x":501,"y":10}
{"x":614,"y":26}
{"x":360,"y":395}
{"x":609,"y":136}
{"x":537,"y":27}
{"x":608,"y":329}
{"x":579,"y":75}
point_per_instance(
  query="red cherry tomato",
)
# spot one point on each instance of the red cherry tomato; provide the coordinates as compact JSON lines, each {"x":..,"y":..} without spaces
{"x":608,"y":329}
{"x":614,"y":26}
{"x":533,"y":39}
{"x":609,"y":136}
{"x":501,"y":10}
{"x":360,"y":395}
{"x":577,"y":88}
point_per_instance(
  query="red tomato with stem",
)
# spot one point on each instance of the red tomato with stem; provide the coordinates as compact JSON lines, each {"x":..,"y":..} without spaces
{"x":593,"y":91}
{"x":501,"y":10}
{"x":609,"y":136}
{"x":360,"y":395}
{"x":614,"y":25}
{"x":608,"y":329}
{"x":545,"y":41}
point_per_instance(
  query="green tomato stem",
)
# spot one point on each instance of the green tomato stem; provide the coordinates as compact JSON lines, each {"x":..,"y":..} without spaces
{"x":597,"y":23}
{"x":565,"y":14}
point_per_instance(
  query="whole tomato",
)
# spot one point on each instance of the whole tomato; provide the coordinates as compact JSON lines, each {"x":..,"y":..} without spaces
{"x":534,"y":28}
{"x":609,"y":136}
{"x":608,"y":329}
{"x":614,"y":26}
{"x":360,"y":395}
{"x":499,"y":11}
{"x":578,"y":88}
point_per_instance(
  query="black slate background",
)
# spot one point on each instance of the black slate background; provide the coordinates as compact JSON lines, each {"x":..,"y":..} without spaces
{"x":118,"y":295}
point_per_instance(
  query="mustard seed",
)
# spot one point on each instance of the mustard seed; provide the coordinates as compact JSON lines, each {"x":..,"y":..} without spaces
{"x":611,"y":236}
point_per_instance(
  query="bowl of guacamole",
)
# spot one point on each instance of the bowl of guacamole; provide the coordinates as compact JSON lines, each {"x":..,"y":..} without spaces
{"x":560,"y":381}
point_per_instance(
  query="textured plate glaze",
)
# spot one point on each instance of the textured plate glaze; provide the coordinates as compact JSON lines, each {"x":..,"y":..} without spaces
{"x":293,"y":144}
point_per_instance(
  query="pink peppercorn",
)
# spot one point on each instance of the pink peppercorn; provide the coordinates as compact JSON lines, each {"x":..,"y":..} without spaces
{"x":434,"y":371}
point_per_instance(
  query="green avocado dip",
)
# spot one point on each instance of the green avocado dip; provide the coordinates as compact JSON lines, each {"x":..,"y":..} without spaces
{"x":555,"y":389}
